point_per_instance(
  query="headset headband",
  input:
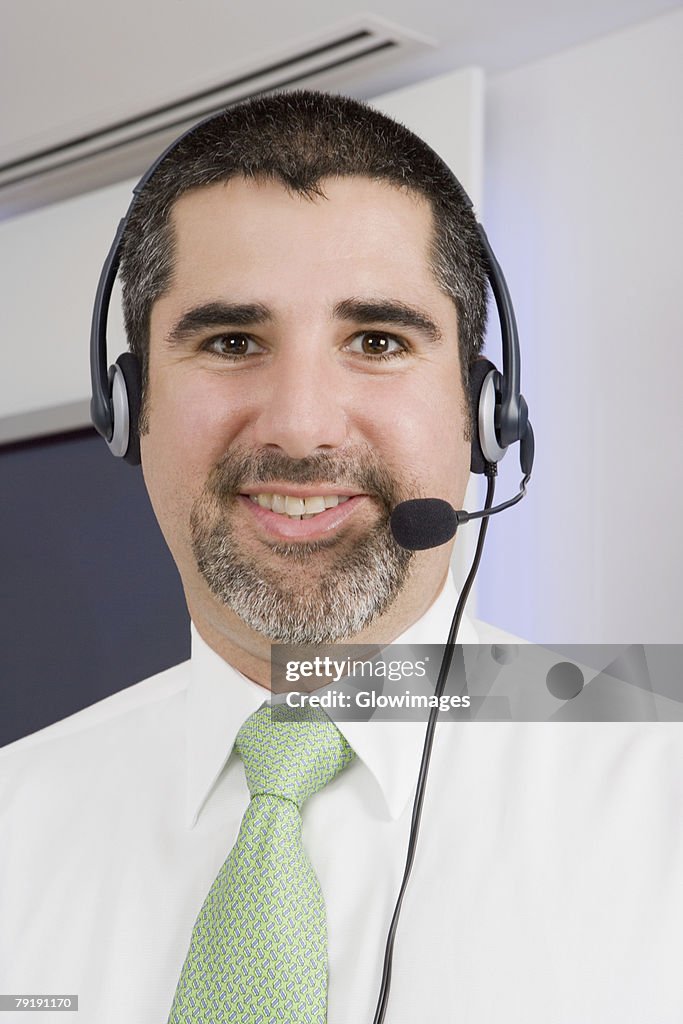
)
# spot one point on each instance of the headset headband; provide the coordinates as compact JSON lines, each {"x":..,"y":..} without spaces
{"x":508,"y":410}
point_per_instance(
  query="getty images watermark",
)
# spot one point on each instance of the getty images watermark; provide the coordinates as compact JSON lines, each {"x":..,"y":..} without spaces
{"x":524,"y":683}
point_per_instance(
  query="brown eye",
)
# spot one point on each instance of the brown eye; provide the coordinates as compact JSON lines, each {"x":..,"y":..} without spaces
{"x":376,"y":343}
{"x":232,"y":345}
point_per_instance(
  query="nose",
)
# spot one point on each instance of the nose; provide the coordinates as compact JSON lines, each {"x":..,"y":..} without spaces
{"x":302,"y":411}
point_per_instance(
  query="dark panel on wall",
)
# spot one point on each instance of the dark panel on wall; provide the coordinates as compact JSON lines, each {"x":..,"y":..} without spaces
{"x":90,"y":600}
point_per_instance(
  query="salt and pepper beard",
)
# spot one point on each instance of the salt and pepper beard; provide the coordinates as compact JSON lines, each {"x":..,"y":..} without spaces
{"x":360,"y":584}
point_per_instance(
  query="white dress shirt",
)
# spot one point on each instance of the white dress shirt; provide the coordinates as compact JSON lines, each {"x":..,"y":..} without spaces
{"x":547,"y":886}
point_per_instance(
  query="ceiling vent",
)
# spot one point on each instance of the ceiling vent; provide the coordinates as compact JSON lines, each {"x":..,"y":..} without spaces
{"x":347,"y":58}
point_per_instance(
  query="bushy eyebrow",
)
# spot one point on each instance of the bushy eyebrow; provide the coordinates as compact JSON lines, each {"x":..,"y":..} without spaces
{"x":213,"y":315}
{"x":218,"y":314}
{"x":388,"y":311}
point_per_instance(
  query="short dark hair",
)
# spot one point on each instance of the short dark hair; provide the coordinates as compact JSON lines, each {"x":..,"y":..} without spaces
{"x":299,"y":139}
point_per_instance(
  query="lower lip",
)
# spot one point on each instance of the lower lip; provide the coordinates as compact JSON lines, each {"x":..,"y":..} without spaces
{"x":322,"y":524}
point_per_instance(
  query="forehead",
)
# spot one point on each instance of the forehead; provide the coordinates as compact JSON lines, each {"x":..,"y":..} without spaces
{"x":359,"y":226}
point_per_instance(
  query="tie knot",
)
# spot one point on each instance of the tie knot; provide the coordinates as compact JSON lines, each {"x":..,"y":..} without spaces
{"x":294,"y":758}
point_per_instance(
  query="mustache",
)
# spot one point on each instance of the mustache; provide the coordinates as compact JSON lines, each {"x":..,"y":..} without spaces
{"x":358,"y":467}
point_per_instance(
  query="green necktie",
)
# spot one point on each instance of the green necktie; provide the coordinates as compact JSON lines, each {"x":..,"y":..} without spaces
{"x":258,"y":952}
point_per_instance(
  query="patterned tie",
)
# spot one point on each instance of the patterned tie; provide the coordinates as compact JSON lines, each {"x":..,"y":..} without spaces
{"x":258,"y":952}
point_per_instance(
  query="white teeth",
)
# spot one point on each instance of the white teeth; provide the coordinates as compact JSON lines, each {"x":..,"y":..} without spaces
{"x":298,"y":508}
{"x":294,"y":506}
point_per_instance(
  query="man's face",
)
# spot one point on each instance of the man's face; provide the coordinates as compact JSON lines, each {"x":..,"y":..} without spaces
{"x":302,"y":361}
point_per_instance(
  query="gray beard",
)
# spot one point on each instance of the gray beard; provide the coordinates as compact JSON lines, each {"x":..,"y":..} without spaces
{"x":359,"y":584}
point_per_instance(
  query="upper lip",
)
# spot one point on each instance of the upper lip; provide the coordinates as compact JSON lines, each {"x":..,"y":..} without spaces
{"x":295,"y":491}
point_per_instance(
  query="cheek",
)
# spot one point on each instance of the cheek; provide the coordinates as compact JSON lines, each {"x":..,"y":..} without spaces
{"x":419,"y":431}
{"x":191,"y":420}
{"x":191,"y":423}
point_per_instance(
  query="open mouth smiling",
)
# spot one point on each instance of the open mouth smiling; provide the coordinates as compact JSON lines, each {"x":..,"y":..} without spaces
{"x":302,"y":513}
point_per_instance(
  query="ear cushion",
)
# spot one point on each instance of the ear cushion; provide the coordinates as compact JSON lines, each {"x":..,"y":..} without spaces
{"x":130,"y":368}
{"x":479,"y":370}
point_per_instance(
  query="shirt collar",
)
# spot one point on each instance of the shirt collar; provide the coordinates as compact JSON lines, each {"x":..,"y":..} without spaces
{"x":220,"y":699}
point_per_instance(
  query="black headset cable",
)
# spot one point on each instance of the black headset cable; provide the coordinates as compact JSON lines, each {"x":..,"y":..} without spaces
{"x":380,"y":1012}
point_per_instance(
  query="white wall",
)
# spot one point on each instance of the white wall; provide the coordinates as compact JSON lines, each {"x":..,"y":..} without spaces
{"x":584,"y":168}
{"x":51,"y":260}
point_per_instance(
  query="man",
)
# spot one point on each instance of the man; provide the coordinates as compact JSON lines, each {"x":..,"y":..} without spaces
{"x":305,"y":292}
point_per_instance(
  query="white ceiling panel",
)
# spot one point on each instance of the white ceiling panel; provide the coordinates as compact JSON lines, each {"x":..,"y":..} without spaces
{"x":71,"y":68}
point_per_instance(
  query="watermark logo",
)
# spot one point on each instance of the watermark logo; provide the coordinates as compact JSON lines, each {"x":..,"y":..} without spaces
{"x":525,"y":682}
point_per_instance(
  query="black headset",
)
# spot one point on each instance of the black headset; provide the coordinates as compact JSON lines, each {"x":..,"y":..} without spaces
{"x":500,"y":412}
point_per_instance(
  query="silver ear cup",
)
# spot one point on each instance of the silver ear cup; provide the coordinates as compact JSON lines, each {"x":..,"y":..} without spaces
{"x":487,"y":419}
{"x":118,"y":444}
